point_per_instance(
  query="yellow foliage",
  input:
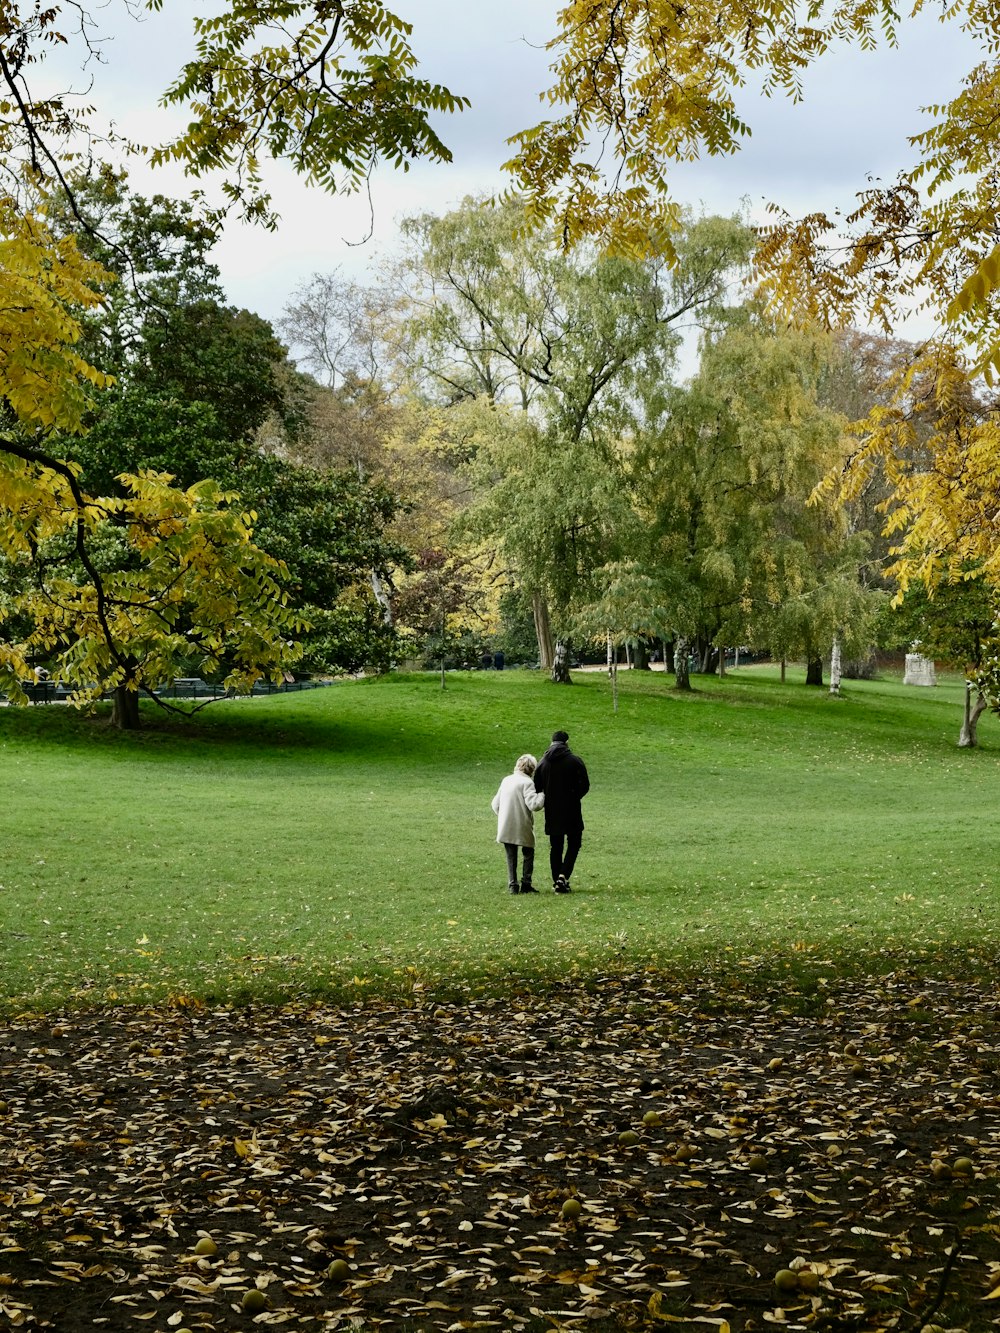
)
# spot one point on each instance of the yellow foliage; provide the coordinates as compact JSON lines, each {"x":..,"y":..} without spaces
{"x":43,"y":280}
{"x":193,"y":584}
{"x":939,"y":445}
{"x":423,"y":464}
{"x":643,"y":84}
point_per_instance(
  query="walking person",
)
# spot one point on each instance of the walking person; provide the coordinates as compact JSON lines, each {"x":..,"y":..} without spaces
{"x":513,"y":806}
{"x":561,"y":777}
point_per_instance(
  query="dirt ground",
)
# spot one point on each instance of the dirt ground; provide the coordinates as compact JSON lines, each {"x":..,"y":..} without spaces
{"x":435,"y":1150}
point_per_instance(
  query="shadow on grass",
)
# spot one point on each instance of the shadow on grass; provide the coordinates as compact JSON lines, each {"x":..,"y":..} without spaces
{"x":395,"y":717}
{"x":346,"y":720}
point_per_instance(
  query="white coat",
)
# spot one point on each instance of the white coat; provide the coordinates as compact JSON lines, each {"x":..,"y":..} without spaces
{"x":513,"y":805}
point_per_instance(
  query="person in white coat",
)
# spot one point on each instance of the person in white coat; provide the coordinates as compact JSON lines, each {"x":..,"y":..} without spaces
{"x":513,"y":806}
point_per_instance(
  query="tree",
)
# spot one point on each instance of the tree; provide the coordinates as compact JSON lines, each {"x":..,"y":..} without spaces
{"x":556,"y":511}
{"x":336,"y":326}
{"x":574,"y":343}
{"x":163,"y":328}
{"x":326,"y":527}
{"x":196,"y":384}
{"x":729,"y":550}
{"x":333,"y":532}
{"x":958,"y":625}
{"x":44,"y":280}
{"x":857,"y":379}
{"x":125,"y":593}
{"x":334,"y":93}
{"x":99,"y":532}
{"x":442,"y":605}
{"x":643,"y":84}
{"x":493,"y":311}
{"x":327,"y":85}
{"x":938,"y":441}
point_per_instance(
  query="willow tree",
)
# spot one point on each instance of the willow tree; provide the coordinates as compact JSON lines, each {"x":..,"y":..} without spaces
{"x":575,"y":343}
{"x":555,"y":511}
{"x":641,"y":85}
{"x":731,"y":551}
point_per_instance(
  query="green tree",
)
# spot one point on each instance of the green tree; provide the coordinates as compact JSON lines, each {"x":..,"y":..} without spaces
{"x":332,"y":88}
{"x":555,"y":512}
{"x":196,"y":382}
{"x":957,"y":625}
{"x":164,"y":329}
{"x":574,"y":343}
{"x":732,"y":552}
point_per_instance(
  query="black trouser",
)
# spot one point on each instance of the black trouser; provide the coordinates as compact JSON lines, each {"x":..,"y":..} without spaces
{"x":563,"y":851}
{"x":527,"y":866}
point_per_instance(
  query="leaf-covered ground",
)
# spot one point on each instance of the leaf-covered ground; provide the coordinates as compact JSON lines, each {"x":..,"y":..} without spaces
{"x":433,"y":1146}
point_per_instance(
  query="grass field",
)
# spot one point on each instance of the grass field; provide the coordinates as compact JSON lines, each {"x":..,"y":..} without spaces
{"x":342,"y":839}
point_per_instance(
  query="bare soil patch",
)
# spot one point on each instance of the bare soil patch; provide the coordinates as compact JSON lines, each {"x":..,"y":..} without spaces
{"x":432,"y":1146}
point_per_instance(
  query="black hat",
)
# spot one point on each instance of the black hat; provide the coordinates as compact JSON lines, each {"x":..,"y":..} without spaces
{"x":560,"y":736}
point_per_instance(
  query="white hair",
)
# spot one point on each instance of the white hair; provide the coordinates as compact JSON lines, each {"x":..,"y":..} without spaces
{"x":526,"y":764}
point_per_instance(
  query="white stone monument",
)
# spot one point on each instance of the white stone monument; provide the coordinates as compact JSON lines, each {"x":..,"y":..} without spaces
{"x":919,"y":670}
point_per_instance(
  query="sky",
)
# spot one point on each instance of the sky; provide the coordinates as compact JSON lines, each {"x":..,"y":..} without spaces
{"x":858,"y":110}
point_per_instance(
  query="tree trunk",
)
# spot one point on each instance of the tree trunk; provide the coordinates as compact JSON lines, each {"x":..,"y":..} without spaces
{"x":560,"y":665}
{"x":382,"y":597}
{"x":640,"y":655}
{"x":668,"y":654}
{"x":814,"y":671}
{"x":543,"y":631}
{"x":613,"y":672}
{"x":125,"y":709}
{"x":967,"y":738}
{"x":682,"y":677}
{"x":784,"y":664}
{"x":835,"y":668}
{"x":378,"y":587}
{"x":722,"y":662}
{"x":444,"y":620}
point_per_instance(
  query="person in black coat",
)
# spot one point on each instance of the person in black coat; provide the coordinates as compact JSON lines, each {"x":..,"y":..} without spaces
{"x":562,"y":776}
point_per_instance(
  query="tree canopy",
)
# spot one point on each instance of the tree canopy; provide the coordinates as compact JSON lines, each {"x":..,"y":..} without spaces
{"x":329,"y":86}
{"x":124,"y":392}
{"x":641,"y":85}
{"x":332,"y":87}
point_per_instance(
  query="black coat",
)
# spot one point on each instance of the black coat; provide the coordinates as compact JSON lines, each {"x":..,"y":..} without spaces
{"x":562,"y":776}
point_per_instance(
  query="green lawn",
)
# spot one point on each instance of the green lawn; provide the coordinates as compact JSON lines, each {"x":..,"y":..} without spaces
{"x":343,"y":838}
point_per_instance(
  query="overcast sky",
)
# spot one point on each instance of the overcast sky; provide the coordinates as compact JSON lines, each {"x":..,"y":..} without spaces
{"x":859,"y":109}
